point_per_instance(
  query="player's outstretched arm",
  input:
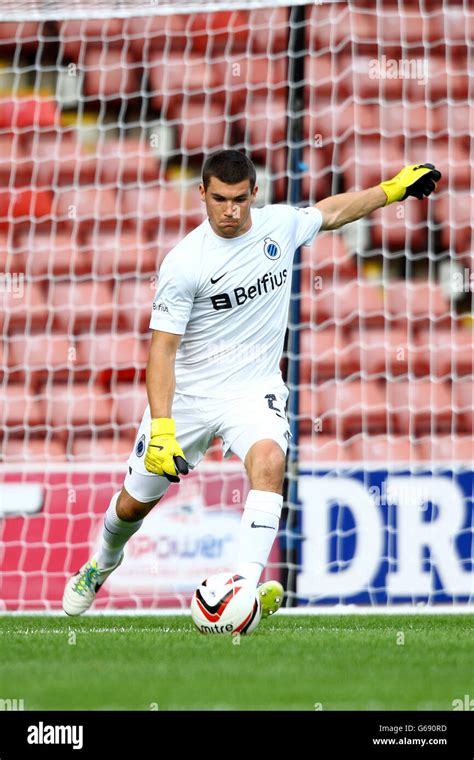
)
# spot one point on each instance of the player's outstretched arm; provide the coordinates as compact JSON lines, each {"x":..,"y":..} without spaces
{"x":164,"y":455}
{"x":418,"y":180}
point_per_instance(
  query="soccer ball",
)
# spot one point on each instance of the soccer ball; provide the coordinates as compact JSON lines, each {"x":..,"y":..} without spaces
{"x":226,"y":604}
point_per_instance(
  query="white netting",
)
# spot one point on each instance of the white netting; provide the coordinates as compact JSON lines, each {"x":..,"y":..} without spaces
{"x":106,"y":113}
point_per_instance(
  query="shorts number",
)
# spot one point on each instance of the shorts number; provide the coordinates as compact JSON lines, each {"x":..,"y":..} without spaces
{"x":270,"y":399}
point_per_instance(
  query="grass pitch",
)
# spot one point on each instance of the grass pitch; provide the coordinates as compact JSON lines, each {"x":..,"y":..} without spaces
{"x":290,"y":663}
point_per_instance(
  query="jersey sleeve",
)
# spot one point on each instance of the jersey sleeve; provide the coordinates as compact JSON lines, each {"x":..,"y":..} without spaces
{"x":308,"y":222}
{"x":174,"y":297}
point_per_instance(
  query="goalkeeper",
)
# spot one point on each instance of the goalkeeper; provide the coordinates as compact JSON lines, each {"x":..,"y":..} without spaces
{"x":218,"y":324}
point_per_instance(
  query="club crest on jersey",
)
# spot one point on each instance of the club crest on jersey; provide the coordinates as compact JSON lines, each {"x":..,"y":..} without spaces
{"x":271,"y":249}
{"x":140,"y":447}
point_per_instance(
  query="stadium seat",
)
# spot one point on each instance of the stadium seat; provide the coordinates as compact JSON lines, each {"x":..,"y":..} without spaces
{"x":33,"y":359}
{"x":327,"y":26}
{"x":352,"y":407}
{"x":400,"y":227}
{"x":22,"y":306}
{"x":81,"y":306}
{"x":450,"y":352}
{"x":22,"y":114}
{"x":169,"y":206}
{"x":103,"y":33}
{"x":32,"y":450}
{"x":345,"y":303}
{"x":26,"y":34}
{"x":59,"y":161}
{"x":451,"y":158}
{"x":15,"y":162}
{"x":129,"y":402}
{"x":85,"y":207}
{"x":445,"y":79}
{"x":133,"y":300}
{"x":269,"y":30}
{"x":168,"y":78}
{"x":418,"y":406}
{"x":22,"y":413}
{"x":200,"y":127}
{"x":459,"y":448}
{"x":114,"y":254}
{"x":111,"y":356}
{"x":318,"y":449}
{"x":418,"y":303}
{"x":463,"y":401}
{"x":110,"y":75}
{"x":388,"y":352}
{"x":327,"y":256}
{"x":12,"y":257}
{"x":239,"y":79}
{"x":124,"y":162}
{"x":385,"y":449}
{"x":54,"y":254}
{"x":73,"y":410}
{"x":454,"y":213}
{"x":111,"y":449}
{"x":324,"y":354}
{"x":25,"y":208}
{"x":413,"y":120}
{"x":263,"y":125}
{"x":339,"y":121}
{"x":460,"y":122}
{"x":458,"y":25}
{"x":218,"y":32}
{"x":158,"y":31}
{"x":367,"y":162}
{"x":321,"y":75}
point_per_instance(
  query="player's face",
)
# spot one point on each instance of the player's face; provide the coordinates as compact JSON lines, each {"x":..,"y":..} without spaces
{"x":228,"y":206}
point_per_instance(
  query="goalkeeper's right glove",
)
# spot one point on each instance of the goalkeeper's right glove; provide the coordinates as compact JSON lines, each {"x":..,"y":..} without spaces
{"x":164,"y":456}
{"x":417,"y":180}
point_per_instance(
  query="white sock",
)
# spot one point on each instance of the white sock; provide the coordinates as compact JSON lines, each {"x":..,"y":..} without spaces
{"x":115,"y":535}
{"x":258,"y":530}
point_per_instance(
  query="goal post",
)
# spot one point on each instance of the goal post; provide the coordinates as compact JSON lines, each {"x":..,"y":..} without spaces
{"x":107,"y":110}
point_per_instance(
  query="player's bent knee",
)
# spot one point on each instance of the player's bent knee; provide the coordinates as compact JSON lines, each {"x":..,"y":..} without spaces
{"x":265,"y":465}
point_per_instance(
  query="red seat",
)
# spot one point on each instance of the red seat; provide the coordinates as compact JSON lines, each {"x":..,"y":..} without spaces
{"x":134,"y":300}
{"x":419,"y":406}
{"x":320,"y":75}
{"x":240,"y":79}
{"x":15,"y":163}
{"x":455,"y":214}
{"x":386,"y":449}
{"x":158,"y":31}
{"x":113,"y":254}
{"x":308,"y":411}
{"x":319,"y":448}
{"x":368,"y":162}
{"x":325,"y":353}
{"x":40,"y":357}
{"x":451,"y":158}
{"x":444,"y":79}
{"x":175,"y":74}
{"x":406,"y":29}
{"x":446,"y":447}
{"x":388,"y":352}
{"x":264,"y":124}
{"x":60,"y":161}
{"x":418,"y":303}
{"x":219,"y":32}
{"x":200,"y":126}
{"x":129,"y":404}
{"x":24,"y":208}
{"x":110,"y":74}
{"x":22,"y":413}
{"x":74,"y":410}
{"x":352,"y":407}
{"x":22,"y":114}
{"x":12,"y":257}
{"x":83,"y":208}
{"x":463,"y":400}
{"x":112,"y":356}
{"x":458,"y":25}
{"x":345,"y":303}
{"x":113,"y":449}
{"x":451,"y":352}
{"x":268,"y":30}
{"x":399,"y":227}
{"x":75,"y":34}
{"x":328,"y":26}
{"x":412,"y":121}
{"x":32,"y":450}
{"x":25,"y":34}
{"x":327,"y":256}
{"x":126,"y":162}
{"x":54,"y":254}
{"x":22,"y":306}
{"x":81,"y":306}
{"x":332,"y":121}
{"x":147,"y":208}
{"x":460,"y":122}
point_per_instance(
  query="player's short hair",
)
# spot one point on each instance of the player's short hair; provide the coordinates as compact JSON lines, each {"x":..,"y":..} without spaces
{"x":230,"y":166}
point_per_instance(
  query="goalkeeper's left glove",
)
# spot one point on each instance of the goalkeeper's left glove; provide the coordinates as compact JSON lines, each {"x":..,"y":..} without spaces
{"x":164,"y":456}
{"x":417,"y":180}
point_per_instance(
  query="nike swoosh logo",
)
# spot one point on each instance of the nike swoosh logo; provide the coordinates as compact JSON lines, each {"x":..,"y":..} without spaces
{"x":261,"y":526}
{"x":154,"y":446}
{"x":218,"y":278}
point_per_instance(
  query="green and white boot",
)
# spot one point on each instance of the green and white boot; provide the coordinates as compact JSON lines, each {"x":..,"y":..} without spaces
{"x":81,"y":588}
{"x":271,"y":597}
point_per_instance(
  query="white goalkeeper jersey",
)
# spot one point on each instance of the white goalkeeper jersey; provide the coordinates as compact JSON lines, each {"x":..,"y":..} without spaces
{"x":229,"y":297}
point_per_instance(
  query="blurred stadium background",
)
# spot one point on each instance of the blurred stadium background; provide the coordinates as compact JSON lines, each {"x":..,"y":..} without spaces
{"x":106,"y":113}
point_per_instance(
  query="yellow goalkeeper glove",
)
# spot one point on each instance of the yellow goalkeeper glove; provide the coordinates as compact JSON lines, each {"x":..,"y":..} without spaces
{"x":164,"y":456}
{"x":417,"y":180}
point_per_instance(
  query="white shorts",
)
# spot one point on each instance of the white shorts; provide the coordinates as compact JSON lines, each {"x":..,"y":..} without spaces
{"x":239,"y":421}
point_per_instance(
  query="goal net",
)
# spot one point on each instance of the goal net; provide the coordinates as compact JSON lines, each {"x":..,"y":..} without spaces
{"x":107,"y":110}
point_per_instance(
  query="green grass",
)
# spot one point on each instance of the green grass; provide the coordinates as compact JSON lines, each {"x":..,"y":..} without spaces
{"x":289,"y":663}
